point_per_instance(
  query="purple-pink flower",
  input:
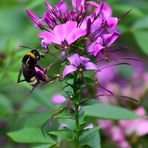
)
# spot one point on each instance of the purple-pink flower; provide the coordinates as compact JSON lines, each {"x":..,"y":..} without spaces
{"x":103,"y":42}
{"x":65,"y":26}
{"x":79,"y":63}
{"x":137,"y":126}
{"x":63,"y":34}
{"x":58,"y":99}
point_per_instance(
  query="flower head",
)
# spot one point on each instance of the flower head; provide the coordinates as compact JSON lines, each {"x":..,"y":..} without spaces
{"x":78,"y":63}
{"x":63,"y":34}
{"x":65,"y":26}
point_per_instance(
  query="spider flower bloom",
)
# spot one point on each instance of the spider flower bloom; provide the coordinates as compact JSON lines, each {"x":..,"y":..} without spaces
{"x":63,"y":34}
{"x":78,"y":63}
{"x":105,"y":41}
{"x":65,"y":26}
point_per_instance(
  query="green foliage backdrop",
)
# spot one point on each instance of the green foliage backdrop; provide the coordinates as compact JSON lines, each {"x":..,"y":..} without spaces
{"x":18,"y":110}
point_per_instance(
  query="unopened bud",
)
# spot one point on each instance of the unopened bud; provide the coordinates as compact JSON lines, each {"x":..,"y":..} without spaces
{"x":71,"y":96}
{"x":80,"y":70}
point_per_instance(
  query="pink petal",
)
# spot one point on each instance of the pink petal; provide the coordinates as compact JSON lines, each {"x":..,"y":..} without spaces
{"x":89,"y":126}
{"x":117,"y":134}
{"x":84,"y":60}
{"x":48,"y":5}
{"x":68,"y":69}
{"x":106,"y":10}
{"x":32,"y":16}
{"x":76,"y":34}
{"x":78,"y":3}
{"x":49,"y":37}
{"x":109,"y":39}
{"x":59,"y":32}
{"x":63,"y":125}
{"x":58,"y":99}
{"x":90,"y":66}
{"x":112,"y":22}
{"x":74,"y":59}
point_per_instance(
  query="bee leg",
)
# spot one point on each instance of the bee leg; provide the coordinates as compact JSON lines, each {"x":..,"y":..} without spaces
{"x":31,"y":91}
{"x":19,"y":77}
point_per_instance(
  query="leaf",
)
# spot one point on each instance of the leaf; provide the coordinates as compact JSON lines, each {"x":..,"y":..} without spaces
{"x":5,"y":105}
{"x":142,"y":40}
{"x":30,"y":135}
{"x":43,"y":146}
{"x":91,"y":138}
{"x":34,"y":120}
{"x":107,"y":111}
{"x":63,"y":134}
{"x":141,"y":24}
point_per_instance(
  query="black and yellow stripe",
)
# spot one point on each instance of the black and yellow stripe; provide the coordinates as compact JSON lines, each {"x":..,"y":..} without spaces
{"x":31,"y":54}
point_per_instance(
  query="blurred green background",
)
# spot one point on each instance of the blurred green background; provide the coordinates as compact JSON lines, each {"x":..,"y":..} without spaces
{"x":18,"y":110}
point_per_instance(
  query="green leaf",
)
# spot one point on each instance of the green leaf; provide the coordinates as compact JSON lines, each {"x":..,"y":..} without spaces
{"x":63,"y":134}
{"x":142,"y":40}
{"x":107,"y":111}
{"x":5,"y":105}
{"x":30,"y":135}
{"x":141,"y":24}
{"x":91,"y":138}
{"x":34,"y":120}
{"x":42,"y":146}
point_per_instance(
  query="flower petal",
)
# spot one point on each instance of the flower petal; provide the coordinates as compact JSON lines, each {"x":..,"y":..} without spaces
{"x":68,"y":69}
{"x":84,"y":60}
{"x":90,"y":66}
{"x":49,"y":37}
{"x":109,"y":39}
{"x":76,"y":34}
{"x":74,"y":59}
{"x":32,"y":16}
{"x":58,"y":99}
{"x":40,"y":73}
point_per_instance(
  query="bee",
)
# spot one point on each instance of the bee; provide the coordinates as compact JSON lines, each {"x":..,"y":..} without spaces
{"x":32,"y":72}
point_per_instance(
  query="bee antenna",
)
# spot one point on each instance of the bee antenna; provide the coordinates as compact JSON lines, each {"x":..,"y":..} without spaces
{"x":22,"y":46}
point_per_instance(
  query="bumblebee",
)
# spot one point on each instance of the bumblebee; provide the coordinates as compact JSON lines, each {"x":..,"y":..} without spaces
{"x":33,"y":73}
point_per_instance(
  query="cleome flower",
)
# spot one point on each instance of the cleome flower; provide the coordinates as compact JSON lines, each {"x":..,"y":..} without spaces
{"x":63,"y":34}
{"x":79,"y":63}
{"x":103,"y":42}
{"x":64,"y":25}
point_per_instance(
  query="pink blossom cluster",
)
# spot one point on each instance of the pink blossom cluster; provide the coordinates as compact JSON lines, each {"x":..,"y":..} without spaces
{"x":124,"y":132}
{"x":86,"y":29}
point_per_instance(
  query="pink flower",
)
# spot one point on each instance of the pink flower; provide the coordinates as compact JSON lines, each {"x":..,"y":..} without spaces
{"x":76,"y":63}
{"x":63,"y":34}
{"x":137,"y":126}
{"x":105,"y":41}
{"x":58,"y":99}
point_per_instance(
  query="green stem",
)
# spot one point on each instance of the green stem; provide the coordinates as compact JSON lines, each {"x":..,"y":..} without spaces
{"x":77,"y":125}
{"x":75,"y":91}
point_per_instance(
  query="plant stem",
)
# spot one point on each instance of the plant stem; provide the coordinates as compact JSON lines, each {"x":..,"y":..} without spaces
{"x":77,"y":125}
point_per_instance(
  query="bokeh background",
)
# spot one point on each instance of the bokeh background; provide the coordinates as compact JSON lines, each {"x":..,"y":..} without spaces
{"x":18,"y":110}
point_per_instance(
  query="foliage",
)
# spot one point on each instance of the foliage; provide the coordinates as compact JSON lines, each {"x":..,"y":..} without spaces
{"x":21,"y":116}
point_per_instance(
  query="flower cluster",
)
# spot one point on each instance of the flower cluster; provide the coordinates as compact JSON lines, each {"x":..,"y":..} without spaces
{"x":86,"y":29}
{"x":80,"y":33}
{"x":124,"y":133}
